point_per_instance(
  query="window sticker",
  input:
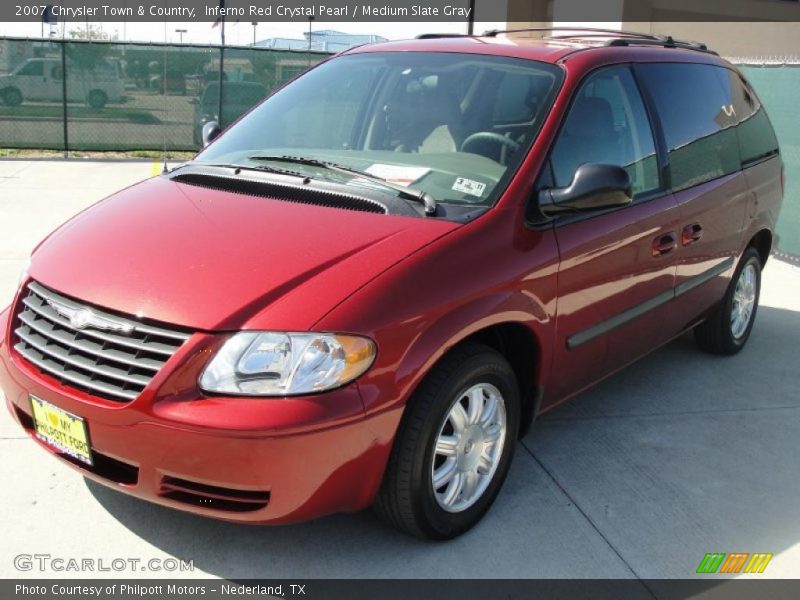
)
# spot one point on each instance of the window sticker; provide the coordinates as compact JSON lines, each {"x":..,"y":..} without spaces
{"x":469,"y":186}
{"x":399,"y":174}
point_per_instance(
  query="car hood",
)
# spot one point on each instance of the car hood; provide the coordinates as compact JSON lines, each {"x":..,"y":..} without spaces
{"x":215,"y":260}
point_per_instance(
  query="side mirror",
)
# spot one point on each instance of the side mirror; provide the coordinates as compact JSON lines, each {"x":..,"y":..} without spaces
{"x":594,"y":187}
{"x":210,"y":131}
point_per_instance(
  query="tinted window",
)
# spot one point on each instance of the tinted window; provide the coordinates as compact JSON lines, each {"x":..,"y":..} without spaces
{"x":697,"y":105}
{"x":756,"y":137}
{"x":608,"y":124}
{"x":34,"y":67}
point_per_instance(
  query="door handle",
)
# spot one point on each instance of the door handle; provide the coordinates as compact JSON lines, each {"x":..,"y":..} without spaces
{"x":691,"y":234}
{"x":664,"y":244}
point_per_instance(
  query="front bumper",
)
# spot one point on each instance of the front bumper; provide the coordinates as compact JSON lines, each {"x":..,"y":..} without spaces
{"x":280,"y":461}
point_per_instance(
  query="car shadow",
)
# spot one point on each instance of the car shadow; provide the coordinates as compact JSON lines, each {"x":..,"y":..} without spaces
{"x":680,"y":454}
{"x":686,"y":453}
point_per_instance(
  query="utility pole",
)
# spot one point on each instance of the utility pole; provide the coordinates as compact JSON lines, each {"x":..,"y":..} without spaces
{"x":180,"y":32}
{"x":254,"y":24}
{"x":221,"y":62}
{"x":310,"y":19}
{"x":471,"y":22}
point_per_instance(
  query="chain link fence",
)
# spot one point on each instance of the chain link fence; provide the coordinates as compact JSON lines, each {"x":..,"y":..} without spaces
{"x":129,"y":96}
{"x":777,"y":82}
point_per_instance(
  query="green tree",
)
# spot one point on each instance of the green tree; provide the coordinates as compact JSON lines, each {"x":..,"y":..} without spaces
{"x":86,"y":56}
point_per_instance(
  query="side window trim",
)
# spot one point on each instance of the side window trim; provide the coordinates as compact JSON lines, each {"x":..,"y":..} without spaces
{"x":657,"y":128}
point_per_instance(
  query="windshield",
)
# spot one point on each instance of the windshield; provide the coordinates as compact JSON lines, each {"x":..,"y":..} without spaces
{"x":454,"y":126}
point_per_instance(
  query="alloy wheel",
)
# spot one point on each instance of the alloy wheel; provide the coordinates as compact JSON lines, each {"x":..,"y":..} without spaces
{"x":744,"y":301}
{"x":468,"y":447}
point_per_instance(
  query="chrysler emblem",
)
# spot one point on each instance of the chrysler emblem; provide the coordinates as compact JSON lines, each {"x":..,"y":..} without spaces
{"x":81,"y":318}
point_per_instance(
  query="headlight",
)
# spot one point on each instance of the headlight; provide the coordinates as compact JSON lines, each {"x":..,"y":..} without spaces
{"x":272,"y":363}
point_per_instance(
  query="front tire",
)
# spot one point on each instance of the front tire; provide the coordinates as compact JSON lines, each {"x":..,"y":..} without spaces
{"x":728,"y":328}
{"x":454,"y":445}
{"x":12,"y":97}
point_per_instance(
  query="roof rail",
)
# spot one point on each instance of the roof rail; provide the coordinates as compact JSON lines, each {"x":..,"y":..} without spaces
{"x":616,"y":37}
{"x":664,"y":42}
{"x":574,"y":32}
{"x":433,"y":36}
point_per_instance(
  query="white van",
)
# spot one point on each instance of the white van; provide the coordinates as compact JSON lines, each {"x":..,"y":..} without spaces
{"x":42,"y":79}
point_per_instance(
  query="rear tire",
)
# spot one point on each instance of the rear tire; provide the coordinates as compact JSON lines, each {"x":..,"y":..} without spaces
{"x":97,"y":99}
{"x":728,"y":328}
{"x":453,"y":447}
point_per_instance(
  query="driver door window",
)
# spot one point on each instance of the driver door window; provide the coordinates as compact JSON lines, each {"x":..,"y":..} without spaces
{"x":607,"y":124}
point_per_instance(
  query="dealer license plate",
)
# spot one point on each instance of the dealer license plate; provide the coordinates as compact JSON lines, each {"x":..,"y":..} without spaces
{"x":62,"y":430}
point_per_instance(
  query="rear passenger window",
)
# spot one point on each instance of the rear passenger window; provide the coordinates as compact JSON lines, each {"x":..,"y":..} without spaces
{"x":607,"y":124}
{"x":697,"y":105}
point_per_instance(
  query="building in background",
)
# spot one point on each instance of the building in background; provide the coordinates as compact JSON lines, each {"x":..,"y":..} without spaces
{"x":325,"y":40}
{"x":765,"y":28}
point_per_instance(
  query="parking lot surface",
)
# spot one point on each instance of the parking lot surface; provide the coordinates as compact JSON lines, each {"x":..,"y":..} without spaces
{"x":678,"y":455}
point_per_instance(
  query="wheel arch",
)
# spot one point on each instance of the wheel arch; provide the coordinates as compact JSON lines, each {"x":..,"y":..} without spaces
{"x":523,"y":351}
{"x":762,"y":241}
{"x":517,"y":328}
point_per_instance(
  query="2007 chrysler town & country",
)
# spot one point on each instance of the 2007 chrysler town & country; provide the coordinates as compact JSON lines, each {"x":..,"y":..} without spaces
{"x":366,"y":289}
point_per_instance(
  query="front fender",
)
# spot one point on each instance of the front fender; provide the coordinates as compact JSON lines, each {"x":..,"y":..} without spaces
{"x":489,"y":272}
{"x":408,"y":351}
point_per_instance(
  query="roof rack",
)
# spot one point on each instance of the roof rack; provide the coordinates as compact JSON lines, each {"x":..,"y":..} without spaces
{"x":665,"y":42}
{"x":614,"y":37}
{"x":433,"y":36}
{"x":574,"y":32}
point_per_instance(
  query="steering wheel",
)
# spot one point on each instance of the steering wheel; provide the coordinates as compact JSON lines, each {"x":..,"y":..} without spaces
{"x":489,"y":136}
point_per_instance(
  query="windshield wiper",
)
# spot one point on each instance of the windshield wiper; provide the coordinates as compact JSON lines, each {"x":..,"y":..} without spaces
{"x":237,"y":167}
{"x":428,"y":201}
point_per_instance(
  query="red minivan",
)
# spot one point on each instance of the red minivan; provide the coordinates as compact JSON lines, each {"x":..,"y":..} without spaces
{"x":365,"y":290}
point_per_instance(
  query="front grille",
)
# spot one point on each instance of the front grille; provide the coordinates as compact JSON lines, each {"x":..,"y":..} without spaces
{"x":115,"y":360}
{"x":212,"y":496}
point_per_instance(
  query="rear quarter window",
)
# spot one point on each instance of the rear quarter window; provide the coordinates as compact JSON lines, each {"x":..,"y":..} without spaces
{"x":757,"y":140}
